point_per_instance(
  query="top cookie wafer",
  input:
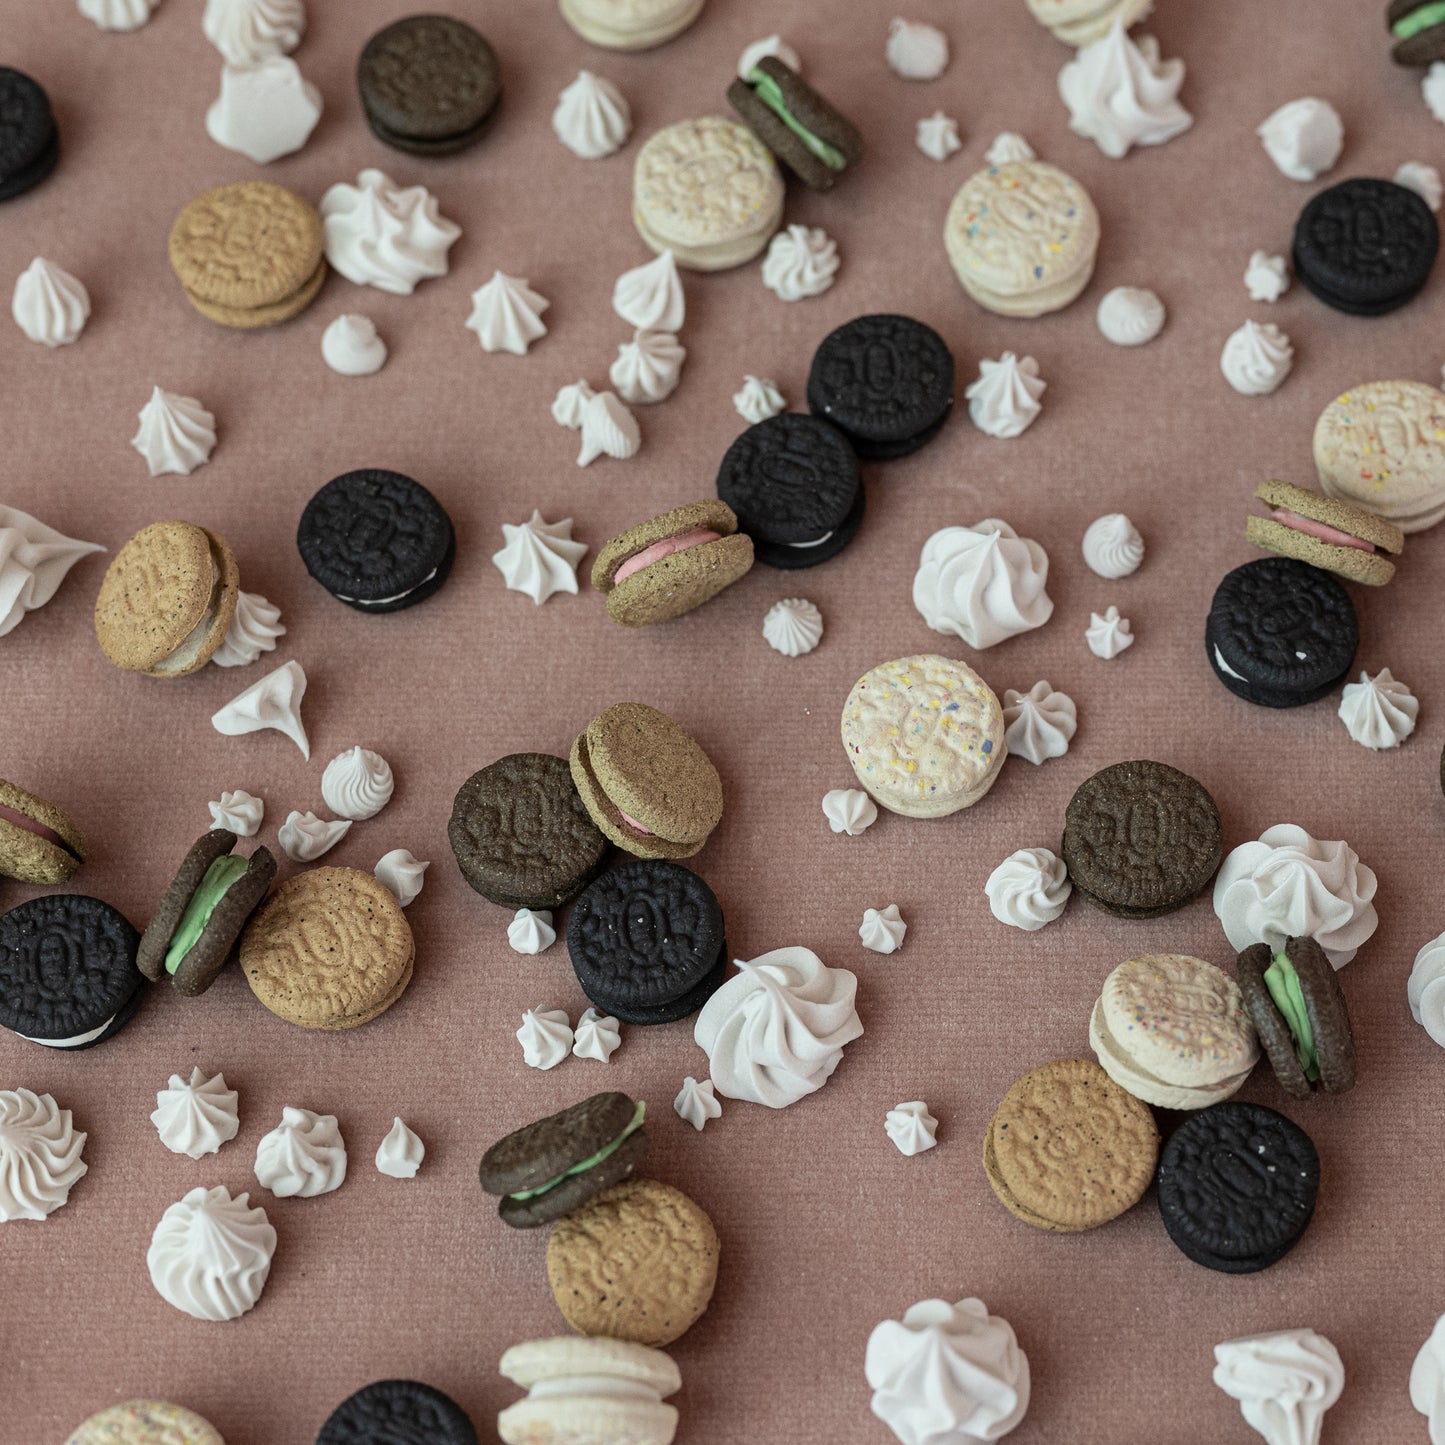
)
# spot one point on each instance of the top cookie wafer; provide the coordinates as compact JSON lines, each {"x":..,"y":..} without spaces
{"x":145,"y":1422}
{"x":429,"y":78}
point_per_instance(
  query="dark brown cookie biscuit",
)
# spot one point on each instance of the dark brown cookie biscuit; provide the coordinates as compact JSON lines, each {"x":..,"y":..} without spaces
{"x":804,"y":131}
{"x":1298,"y":1010}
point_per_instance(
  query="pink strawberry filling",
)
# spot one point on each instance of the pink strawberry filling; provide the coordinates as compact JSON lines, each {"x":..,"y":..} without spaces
{"x":10,"y":815}
{"x":1320,"y":530}
{"x":633,"y":823}
{"x":665,"y":548}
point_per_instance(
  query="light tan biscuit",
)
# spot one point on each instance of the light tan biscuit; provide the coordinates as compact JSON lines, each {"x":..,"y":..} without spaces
{"x":38,"y":842}
{"x":146,"y":1422}
{"x":1286,"y":532}
{"x":257,"y":317}
{"x":630,"y":24}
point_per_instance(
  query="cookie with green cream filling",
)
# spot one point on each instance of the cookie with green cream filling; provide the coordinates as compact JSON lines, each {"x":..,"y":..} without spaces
{"x":1418,"y":27}
{"x":1294,"y":999}
{"x":803,"y":130}
{"x":195,"y":928}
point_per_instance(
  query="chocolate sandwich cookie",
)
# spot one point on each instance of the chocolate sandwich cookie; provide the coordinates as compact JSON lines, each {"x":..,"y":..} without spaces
{"x":793,"y":483}
{"x":647,"y":784}
{"x":68,"y":976}
{"x":1326,"y":533}
{"x":549,"y":1167}
{"x":376,"y":540}
{"x":1281,"y":633}
{"x":167,"y":600}
{"x":1365,"y":246}
{"x":398,"y":1412}
{"x":647,"y":942}
{"x":1237,"y":1186}
{"x":521,"y":834}
{"x":672,"y":564}
{"x":1294,"y":998}
{"x":38,"y":842}
{"x":429,"y":85}
{"x":886,"y":382}
{"x":1141,"y":839}
{"x":29,"y":137}
{"x":806,"y":133}
{"x":1418,"y":27}
{"x":146,"y":1422}
{"x":192,"y":932}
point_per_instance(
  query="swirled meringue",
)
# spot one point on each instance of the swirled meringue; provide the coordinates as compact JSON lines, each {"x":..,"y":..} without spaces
{"x":775,"y":1032}
{"x":1290,"y":885}
{"x":1004,"y":401}
{"x":592,"y":118}
{"x":402,"y":873}
{"x":246,"y":32}
{"x":49,"y":305}
{"x":401,"y":1152}
{"x":597,"y":1036}
{"x":882,"y":930}
{"x":1426,"y":989}
{"x":254,"y":629}
{"x":1108,"y":634}
{"x":384,"y":235}
{"x":1113,"y":547}
{"x":1432,"y":87}
{"x":303,"y":1156}
{"x":982,"y":583}
{"x":238,"y":813}
{"x":649,"y":367}
{"x":357,"y":784}
{"x":697,"y":1103}
{"x":210,"y":1254}
{"x":1379,"y":711}
{"x":539,"y":557}
{"x":351,"y":346}
{"x":304,"y":837}
{"x":650,"y":296}
{"x":546,"y":1038}
{"x":1028,"y":889}
{"x":793,"y":626}
{"x":849,"y":810}
{"x":1009,"y":145}
{"x":1257,"y":358}
{"x":773,"y":45}
{"x":758,"y":400}
{"x":118,"y":14}
{"x":916,"y":51}
{"x":40,"y":1151}
{"x":34,"y":560}
{"x":937,"y":137}
{"x":531,"y":931}
{"x":177,"y":434}
{"x":1130,"y":316}
{"x":911,"y":1128}
{"x":1304,"y":138}
{"x":1039,"y":723}
{"x":570,"y":403}
{"x":273,"y":702}
{"x":608,"y":430}
{"x":507,"y":314}
{"x":1424,"y":180}
{"x":1266,"y":278}
{"x":264,"y":111}
{"x":1427,"y":1373}
{"x":801,"y":262}
{"x":1284,"y":1382}
{"x":1121,"y":95}
{"x":947,"y":1373}
{"x":196,"y":1117}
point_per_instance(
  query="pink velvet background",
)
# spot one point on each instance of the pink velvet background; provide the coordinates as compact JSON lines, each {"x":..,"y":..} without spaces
{"x":826,"y":1229}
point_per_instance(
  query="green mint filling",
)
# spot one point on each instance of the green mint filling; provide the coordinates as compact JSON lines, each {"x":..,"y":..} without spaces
{"x":770,"y":93}
{"x":591,"y":1163}
{"x":1418,"y":20}
{"x":212,"y":888}
{"x":1283,"y":984}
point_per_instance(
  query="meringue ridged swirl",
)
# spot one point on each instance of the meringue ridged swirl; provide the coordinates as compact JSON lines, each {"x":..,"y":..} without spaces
{"x":118,"y":14}
{"x":357,"y":784}
{"x":648,"y":368}
{"x":758,"y":399}
{"x":246,"y":32}
{"x":49,"y":304}
{"x":39,"y":1155}
{"x":385,"y":235}
{"x":177,"y":434}
{"x":253,"y":630}
{"x":1426,"y":989}
{"x":1039,"y":723}
{"x":1284,"y":1382}
{"x":403,"y":873}
{"x":1121,"y":95}
{"x":1113,"y":547}
{"x":650,"y":297}
{"x":801,"y":262}
{"x":34,"y":560}
{"x":793,"y":627}
{"x":1029,"y":889}
{"x":540,"y":557}
{"x":1379,"y":711}
{"x":592,"y":118}
{"x":507,"y":314}
{"x":238,"y":812}
{"x":210,"y":1254}
{"x":303,"y":1156}
{"x":1257,"y":358}
{"x":983,"y":583}
{"x":198,"y":1115}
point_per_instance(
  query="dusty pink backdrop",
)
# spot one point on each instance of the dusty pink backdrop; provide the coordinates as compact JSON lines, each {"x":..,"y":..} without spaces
{"x":826,"y":1229}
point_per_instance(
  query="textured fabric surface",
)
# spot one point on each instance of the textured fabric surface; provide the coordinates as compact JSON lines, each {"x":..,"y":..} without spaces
{"x":825,"y":1228}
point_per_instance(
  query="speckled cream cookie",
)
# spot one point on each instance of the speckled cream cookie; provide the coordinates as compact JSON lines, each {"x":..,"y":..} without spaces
{"x":146,"y":1422}
{"x":925,"y":735}
{"x":1022,"y":238}
{"x":167,"y":600}
{"x":330,"y":949}
{"x":637,"y":1262}
{"x":630,"y":24}
{"x":38,"y":842}
{"x":708,"y":190}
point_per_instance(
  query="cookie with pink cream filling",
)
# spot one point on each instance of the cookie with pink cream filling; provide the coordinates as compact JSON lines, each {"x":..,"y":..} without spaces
{"x":38,"y":842}
{"x":1302,"y":524}
{"x":672,"y":564}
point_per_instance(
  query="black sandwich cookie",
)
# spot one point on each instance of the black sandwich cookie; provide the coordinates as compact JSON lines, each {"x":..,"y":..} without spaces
{"x":793,"y":483}
{"x":398,"y":1412}
{"x":886,"y":382}
{"x":1365,"y":246}
{"x":376,"y":540}
{"x":522,"y":835}
{"x":29,"y":137}
{"x":429,"y":85}
{"x":1281,"y":633}
{"x":201,"y":916}
{"x":1237,"y":1186}
{"x":647,"y":942}
{"x":547,"y":1169}
{"x":68,"y":976}
{"x":1419,"y":30}
{"x":804,"y":131}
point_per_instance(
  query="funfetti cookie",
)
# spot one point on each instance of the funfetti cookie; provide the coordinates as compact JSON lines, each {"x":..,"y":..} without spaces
{"x":1342,"y":539}
{"x":38,"y":842}
{"x":167,"y":600}
{"x":672,"y":564}
{"x":403,"y":1411}
{"x":707,"y":190}
{"x":630,"y":24}
{"x":145,"y":1422}
{"x":1022,"y":238}
{"x":806,"y":132}
{"x":29,"y":139}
